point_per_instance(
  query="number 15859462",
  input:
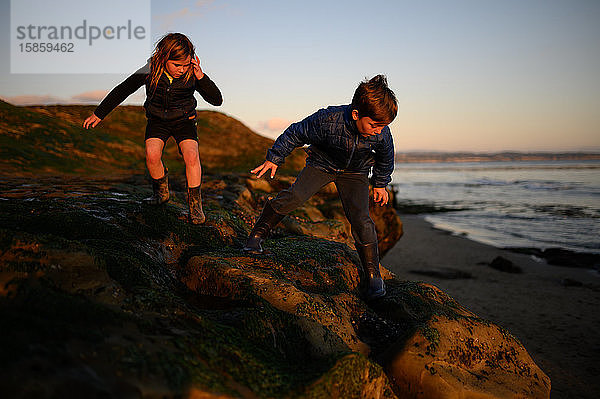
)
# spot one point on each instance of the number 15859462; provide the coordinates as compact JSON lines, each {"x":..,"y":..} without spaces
{"x":47,"y":47}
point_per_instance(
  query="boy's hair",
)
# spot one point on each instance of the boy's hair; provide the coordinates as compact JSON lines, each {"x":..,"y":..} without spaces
{"x":172,"y":46}
{"x":373,"y":98}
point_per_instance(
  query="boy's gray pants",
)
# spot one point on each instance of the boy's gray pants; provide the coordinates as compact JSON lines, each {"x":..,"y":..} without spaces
{"x":353,"y":189}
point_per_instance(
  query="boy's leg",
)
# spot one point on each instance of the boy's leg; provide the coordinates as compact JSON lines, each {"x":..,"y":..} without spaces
{"x":353,"y":190}
{"x":193,"y":172}
{"x":308,"y":182}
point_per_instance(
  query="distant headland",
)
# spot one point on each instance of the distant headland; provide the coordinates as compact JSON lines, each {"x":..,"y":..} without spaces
{"x":507,"y":156}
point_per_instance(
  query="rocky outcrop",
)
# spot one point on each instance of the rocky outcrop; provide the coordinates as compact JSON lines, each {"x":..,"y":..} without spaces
{"x":454,"y":354}
{"x":102,"y":296}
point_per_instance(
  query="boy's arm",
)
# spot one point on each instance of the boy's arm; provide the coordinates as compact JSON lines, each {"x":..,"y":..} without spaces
{"x":122,"y":91}
{"x":384,"y":160}
{"x":296,"y":135}
{"x":209,"y":91}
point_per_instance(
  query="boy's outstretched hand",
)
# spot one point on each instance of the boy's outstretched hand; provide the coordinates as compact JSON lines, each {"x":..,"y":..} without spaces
{"x":380,"y":195}
{"x":91,"y":121}
{"x":262,"y":169}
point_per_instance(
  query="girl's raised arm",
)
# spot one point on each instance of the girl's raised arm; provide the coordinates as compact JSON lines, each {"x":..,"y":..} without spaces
{"x":206,"y":87}
{"x":118,"y":95}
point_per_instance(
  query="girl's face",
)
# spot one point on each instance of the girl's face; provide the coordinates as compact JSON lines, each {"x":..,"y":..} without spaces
{"x":176,"y":68}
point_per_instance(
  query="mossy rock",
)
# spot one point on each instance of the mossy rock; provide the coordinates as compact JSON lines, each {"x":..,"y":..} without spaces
{"x":106,"y":297}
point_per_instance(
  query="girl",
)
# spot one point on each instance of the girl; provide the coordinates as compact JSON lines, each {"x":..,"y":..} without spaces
{"x":171,"y":76}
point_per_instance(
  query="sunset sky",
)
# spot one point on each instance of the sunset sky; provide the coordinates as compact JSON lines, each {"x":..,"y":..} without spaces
{"x":472,"y":75}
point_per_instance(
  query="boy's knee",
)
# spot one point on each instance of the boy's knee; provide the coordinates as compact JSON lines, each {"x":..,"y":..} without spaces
{"x":277,"y":208}
{"x":364,"y":228}
{"x":361,"y":219}
{"x":286,"y":201}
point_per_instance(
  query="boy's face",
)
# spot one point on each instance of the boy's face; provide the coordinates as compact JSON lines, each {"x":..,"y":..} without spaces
{"x":176,"y":68}
{"x":367,"y":126}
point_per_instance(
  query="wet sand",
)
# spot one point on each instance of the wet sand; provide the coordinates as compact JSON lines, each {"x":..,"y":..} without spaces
{"x":556,"y":319}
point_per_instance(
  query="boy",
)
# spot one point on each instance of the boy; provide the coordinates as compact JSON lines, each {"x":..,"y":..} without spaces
{"x":345,"y":143}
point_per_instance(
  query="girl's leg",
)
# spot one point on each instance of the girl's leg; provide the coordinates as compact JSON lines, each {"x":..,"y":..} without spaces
{"x":193,"y":172}
{"x":154,"y":148}
{"x":191,"y":158}
{"x":158,"y":173}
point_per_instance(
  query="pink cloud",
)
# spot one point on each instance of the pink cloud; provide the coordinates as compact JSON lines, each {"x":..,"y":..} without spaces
{"x":94,"y":96}
{"x":32,"y":99}
{"x":274,"y":125}
{"x":167,"y":21}
{"x":90,"y":96}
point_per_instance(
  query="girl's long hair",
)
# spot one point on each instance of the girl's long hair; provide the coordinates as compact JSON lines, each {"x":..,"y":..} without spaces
{"x":172,"y":46}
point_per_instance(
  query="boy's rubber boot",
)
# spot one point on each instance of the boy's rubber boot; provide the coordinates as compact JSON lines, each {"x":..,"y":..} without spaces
{"x":195,"y":205}
{"x":373,"y":284}
{"x":266,"y":221}
{"x":160,"y":189}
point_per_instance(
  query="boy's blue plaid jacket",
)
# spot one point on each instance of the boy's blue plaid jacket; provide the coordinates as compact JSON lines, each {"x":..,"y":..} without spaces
{"x":335,"y":145}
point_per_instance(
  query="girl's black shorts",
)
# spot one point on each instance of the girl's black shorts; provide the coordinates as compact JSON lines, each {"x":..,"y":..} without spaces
{"x":180,"y":129}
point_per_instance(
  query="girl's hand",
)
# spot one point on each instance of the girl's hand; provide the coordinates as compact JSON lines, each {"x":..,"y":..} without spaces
{"x":381,"y":195}
{"x":91,"y":121}
{"x":197,"y":70}
{"x":267,"y":165}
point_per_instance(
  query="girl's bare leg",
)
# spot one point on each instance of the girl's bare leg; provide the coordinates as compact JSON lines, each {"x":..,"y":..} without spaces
{"x":193,"y":172}
{"x":160,"y":179}
{"x":193,"y":169}
{"x":154,"y":149}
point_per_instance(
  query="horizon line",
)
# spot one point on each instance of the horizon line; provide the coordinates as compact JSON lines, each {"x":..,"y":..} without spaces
{"x":592,"y":151}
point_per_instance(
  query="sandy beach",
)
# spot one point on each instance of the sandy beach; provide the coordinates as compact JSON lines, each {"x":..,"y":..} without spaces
{"x":553,"y":310}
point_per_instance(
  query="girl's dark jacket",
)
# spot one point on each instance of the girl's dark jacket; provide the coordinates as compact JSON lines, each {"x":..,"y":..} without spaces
{"x":336,"y":146}
{"x":169,"y":102}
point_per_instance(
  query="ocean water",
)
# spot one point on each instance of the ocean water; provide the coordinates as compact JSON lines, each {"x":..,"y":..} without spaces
{"x":534,"y":204}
